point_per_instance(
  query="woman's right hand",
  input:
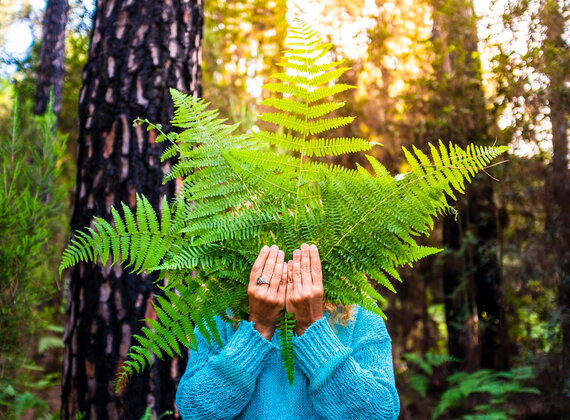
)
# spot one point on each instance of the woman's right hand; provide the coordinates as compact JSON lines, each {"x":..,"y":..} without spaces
{"x":267,"y":300}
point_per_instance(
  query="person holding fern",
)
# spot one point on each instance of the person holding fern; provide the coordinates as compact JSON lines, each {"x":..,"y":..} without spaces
{"x":239,"y":190}
{"x":343,"y":362}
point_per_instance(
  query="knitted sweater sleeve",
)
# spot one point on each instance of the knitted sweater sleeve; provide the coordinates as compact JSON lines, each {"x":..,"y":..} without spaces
{"x":354,"y":382}
{"x":218,"y":383}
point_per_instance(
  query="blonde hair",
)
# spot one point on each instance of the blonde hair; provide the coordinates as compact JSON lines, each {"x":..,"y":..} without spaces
{"x":339,"y":314}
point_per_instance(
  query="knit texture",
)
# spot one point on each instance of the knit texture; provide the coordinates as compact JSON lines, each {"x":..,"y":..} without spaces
{"x":347,"y":374}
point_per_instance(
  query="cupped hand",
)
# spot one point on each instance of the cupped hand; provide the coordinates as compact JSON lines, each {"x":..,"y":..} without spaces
{"x":305,"y":287}
{"x":267,"y":300}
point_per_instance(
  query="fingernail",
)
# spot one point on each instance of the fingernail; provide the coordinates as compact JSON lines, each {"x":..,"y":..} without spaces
{"x":313,"y":247}
{"x":281,"y":253}
{"x":304,"y":246}
{"x":296,"y":252}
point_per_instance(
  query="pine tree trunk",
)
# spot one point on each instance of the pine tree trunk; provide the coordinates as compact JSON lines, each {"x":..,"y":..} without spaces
{"x":139,"y":49}
{"x":52,"y":56}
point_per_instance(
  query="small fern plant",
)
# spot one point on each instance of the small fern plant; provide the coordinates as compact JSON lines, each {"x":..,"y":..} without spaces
{"x":240,"y":192}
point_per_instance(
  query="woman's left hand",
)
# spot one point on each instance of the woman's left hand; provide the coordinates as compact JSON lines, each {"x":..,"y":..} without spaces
{"x":305,"y":287}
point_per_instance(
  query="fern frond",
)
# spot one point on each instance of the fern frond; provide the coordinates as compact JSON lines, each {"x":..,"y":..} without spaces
{"x":240,"y":192}
{"x":412,"y":202}
{"x":316,"y":68}
{"x":286,"y":324}
{"x":311,"y":79}
{"x":138,"y":239}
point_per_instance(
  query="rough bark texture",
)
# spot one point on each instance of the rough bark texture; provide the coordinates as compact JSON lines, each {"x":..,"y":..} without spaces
{"x":52,"y":56}
{"x":471,"y":273}
{"x":138,"y":50}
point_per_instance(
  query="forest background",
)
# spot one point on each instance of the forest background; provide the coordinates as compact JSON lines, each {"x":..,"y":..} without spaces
{"x":482,"y":328}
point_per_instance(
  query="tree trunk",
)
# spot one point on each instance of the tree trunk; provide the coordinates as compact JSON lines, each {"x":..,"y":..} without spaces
{"x":471,"y":272}
{"x":557,"y":58}
{"x":52,"y":56}
{"x":487,"y":273}
{"x":138,"y":50}
{"x":457,"y":293}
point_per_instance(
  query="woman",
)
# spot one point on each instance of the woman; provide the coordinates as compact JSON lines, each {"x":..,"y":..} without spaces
{"x":340,"y":373}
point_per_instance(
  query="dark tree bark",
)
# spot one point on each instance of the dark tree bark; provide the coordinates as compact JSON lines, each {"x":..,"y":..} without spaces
{"x":52,"y":56}
{"x":471,"y":272}
{"x":138,"y":50}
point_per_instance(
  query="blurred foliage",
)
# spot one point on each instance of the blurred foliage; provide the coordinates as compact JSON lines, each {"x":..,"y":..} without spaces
{"x":496,"y":388}
{"x":33,"y":228}
{"x":242,"y":40}
{"x":149,"y":416}
{"x":425,"y":365}
{"x":76,"y":47}
{"x":483,"y":394}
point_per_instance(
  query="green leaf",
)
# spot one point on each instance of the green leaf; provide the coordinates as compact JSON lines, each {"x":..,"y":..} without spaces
{"x":238,"y":192}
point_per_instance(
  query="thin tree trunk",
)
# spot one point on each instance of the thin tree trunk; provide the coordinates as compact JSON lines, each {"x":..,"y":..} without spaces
{"x":457,"y":300}
{"x":52,"y":56}
{"x":138,"y":50}
{"x":487,"y":273}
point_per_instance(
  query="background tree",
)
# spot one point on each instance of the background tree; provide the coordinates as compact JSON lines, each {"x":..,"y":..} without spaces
{"x":52,"y":56}
{"x":452,"y":106}
{"x":242,"y":41}
{"x":137,"y":51}
{"x":529,"y":89}
{"x":556,"y":66}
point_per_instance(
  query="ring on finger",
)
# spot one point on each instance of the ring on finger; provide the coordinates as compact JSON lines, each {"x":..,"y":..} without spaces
{"x":261,"y":281}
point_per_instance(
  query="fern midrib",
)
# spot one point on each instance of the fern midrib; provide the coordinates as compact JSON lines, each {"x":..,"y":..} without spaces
{"x":133,"y":234}
{"x":373,"y":209}
{"x":300,"y":169}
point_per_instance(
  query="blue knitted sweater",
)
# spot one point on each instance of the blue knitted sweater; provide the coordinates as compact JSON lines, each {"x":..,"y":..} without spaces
{"x":347,"y":374}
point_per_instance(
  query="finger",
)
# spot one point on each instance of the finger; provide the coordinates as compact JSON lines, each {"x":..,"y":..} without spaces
{"x":305,"y":267}
{"x":290,"y":287}
{"x":282,"y":289}
{"x":283,"y":281}
{"x":270,"y":263}
{"x":290,"y":273}
{"x":297,"y":282}
{"x":277,"y":272}
{"x":258,"y":265}
{"x":316,"y":271}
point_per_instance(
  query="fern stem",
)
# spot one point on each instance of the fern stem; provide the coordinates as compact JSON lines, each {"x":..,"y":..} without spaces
{"x":300,"y":179}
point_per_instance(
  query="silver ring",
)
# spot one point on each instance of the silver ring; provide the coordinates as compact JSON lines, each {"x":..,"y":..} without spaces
{"x":261,"y":281}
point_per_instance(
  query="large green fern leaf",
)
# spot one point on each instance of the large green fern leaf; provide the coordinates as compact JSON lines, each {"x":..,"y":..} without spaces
{"x":240,"y":192}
